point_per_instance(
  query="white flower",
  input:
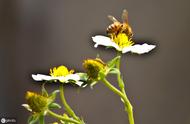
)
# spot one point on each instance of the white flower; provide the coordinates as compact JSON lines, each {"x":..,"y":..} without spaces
{"x":108,"y":42}
{"x":63,"y":79}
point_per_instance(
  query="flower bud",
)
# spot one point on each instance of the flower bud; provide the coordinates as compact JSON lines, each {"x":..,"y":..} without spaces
{"x":93,"y":68}
{"x":36,"y":102}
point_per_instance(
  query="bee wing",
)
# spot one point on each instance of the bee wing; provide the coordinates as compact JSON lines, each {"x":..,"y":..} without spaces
{"x":125,"y":16}
{"x":113,"y":19}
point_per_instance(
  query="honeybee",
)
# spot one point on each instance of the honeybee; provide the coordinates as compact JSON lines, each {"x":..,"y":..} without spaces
{"x":117,"y":27}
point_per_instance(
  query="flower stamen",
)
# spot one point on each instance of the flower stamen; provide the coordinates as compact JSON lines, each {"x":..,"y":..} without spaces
{"x":60,"y":71}
{"x":121,"y":40}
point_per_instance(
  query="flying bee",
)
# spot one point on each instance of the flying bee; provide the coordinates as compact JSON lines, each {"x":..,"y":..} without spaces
{"x":117,"y":27}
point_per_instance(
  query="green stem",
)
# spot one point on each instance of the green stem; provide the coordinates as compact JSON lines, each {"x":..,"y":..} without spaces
{"x":59,"y":117}
{"x":41,"y":119}
{"x":66,"y":105}
{"x":128,"y":106}
{"x":120,"y":81}
{"x":114,"y":89}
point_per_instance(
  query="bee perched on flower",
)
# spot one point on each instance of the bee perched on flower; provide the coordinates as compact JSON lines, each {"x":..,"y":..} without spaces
{"x":120,"y":37}
{"x":114,"y":29}
{"x":60,"y":73}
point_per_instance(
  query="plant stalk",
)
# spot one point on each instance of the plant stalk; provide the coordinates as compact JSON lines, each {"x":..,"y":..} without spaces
{"x":59,"y":117}
{"x":66,"y":105}
{"x":128,"y":106}
{"x":41,"y":119}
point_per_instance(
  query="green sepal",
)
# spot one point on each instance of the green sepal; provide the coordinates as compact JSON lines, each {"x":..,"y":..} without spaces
{"x":114,"y":71}
{"x":53,"y":95}
{"x":82,"y":121}
{"x":33,"y":119}
{"x":44,"y":92}
{"x":65,"y":122}
{"x":54,"y":106}
{"x":93,"y":83}
{"x":121,"y":83}
{"x":112,"y":63}
{"x":102,"y":74}
{"x":83,"y":76}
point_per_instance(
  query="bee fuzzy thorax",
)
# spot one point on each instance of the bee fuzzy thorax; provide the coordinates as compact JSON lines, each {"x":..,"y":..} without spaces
{"x":117,"y":27}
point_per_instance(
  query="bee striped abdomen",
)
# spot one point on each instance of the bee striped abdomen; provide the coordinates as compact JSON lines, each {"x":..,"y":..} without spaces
{"x":127,"y":30}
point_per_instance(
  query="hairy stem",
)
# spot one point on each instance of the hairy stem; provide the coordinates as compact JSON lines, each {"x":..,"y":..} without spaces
{"x":59,"y":117}
{"x":120,"y":81}
{"x":41,"y":119}
{"x":66,"y":105}
{"x":128,"y":106}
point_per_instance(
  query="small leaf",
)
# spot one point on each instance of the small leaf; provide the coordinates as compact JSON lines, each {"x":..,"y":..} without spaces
{"x":102,"y":74}
{"x":82,"y":121}
{"x":79,"y":83}
{"x":83,"y":76}
{"x":93,"y":83}
{"x":122,"y":100}
{"x":33,"y":119}
{"x":65,"y":122}
{"x":53,"y":95}
{"x":54,"y":106}
{"x":114,"y":71}
{"x":113,"y":62}
{"x":44,"y":92}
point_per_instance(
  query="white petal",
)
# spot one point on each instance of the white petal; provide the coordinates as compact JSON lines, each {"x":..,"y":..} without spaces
{"x":74,"y":77}
{"x":79,"y":83}
{"x":41,"y":77}
{"x":139,"y":49}
{"x":27,"y":107}
{"x":105,"y":41}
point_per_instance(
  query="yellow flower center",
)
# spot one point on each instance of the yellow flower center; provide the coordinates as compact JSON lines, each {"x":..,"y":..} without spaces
{"x":37,"y":102}
{"x":122,"y":40}
{"x":60,"y":71}
{"x":93,"y":67}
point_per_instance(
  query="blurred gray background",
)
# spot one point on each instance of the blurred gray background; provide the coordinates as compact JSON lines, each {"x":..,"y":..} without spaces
{"x":36,"y":35}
